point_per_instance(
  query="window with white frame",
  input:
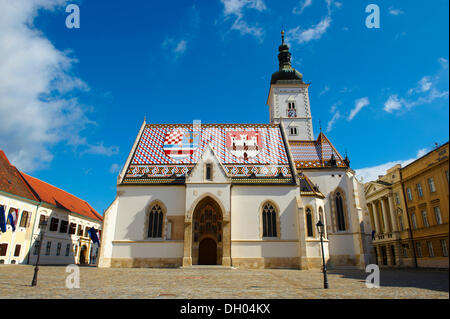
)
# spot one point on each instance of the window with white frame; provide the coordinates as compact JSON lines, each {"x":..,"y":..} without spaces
{"x":430,"y":249}
{"x":414,"y":221}
{"x":419,"y":249}
{"x":419,"y":190}
{"x":437,"y":215}
{"x":431,"y":185}
{"x":47,"y":250}
{"x":425,"y":219}
{"x":444,"y":248}
{"x":408,"y":192}
{"x":405,"y":250}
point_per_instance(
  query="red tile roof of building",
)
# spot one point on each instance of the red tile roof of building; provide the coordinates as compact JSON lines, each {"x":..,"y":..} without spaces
{"x":12,"y":182}
{"x":55,"y":196}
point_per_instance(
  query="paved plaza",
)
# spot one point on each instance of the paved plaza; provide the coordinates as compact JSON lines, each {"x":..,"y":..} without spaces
{"x":218,"y":283}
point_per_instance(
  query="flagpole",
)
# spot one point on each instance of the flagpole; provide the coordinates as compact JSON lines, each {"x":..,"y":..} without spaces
{"x":13,"y":239}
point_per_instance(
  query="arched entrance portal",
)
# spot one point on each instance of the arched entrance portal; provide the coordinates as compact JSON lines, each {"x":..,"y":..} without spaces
{"x":207,"y":222}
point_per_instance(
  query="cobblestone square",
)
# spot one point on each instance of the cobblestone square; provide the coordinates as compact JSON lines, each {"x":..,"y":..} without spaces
{"x":219,"y":283}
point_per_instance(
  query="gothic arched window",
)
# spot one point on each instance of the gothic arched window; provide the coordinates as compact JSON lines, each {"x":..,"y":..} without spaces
{"x":269,"y":218}
{"x":155,"y":222}
{"x":340,"y":217}
{"x":309,"y":223}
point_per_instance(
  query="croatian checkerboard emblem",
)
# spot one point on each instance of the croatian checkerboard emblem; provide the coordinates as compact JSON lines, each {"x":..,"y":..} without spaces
{"x":244,"y":144}
{"x":180,"y":144}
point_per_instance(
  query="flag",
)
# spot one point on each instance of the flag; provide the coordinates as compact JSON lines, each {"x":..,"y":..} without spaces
{"x":13,"y":216}
{"x":2,"y":219}
{"x":93,"y":235}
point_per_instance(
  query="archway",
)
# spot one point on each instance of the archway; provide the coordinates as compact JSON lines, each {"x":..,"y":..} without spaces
{"x":207,"y":233}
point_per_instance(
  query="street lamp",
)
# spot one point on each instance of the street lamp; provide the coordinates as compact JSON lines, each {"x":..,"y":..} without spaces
{"x":42,"y":226}
{"x":321,"y":230}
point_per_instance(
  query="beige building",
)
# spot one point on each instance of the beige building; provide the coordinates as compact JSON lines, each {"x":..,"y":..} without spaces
{"x":391,"y":236}
{"x":408,"y":210}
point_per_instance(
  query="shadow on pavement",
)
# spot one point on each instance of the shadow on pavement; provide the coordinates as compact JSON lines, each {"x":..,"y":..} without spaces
{"x":431,"y":279}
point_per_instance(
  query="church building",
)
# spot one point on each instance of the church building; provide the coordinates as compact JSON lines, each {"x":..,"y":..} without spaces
{"x":240,"y":195}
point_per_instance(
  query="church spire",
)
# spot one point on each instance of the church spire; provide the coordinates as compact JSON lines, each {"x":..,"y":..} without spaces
{"x":284,"y":57}
{"x":285,"y":71}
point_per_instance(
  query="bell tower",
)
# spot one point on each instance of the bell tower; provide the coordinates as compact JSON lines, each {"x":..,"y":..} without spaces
{"x":288,"y":99}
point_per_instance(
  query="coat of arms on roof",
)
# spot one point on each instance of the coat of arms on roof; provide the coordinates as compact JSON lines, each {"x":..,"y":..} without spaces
{"x":179,"y":144}
{"x":244,"y":144}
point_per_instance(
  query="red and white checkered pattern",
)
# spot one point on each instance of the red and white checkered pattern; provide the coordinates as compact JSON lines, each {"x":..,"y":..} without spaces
{"x":174,"y":137}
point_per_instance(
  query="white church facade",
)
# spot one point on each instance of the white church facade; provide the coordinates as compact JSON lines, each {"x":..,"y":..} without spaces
{"x":241,"y":195}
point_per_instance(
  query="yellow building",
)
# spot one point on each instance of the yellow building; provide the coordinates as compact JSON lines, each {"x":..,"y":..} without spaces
{"x":391,"y":237}
{"x":426,"y":189}
{"x":408,"y":209}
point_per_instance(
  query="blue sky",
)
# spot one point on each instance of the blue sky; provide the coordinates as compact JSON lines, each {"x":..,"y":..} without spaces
{"x":72,"y":100}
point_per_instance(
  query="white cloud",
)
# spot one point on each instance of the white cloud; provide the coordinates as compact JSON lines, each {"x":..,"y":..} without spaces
{"x":425,"y":92}
{"x":302,"y":6}
{"x":315,"y":32}
{"x":395,"y":12}
{"x":393,"y":103}
{"x":443,"y":62}
{"x":176,"y":47}
{"x":36,"y":82}
{"x":100,"y":149}
{"x":115,"y":168}
{"x":325,"y":90}
{"x":335,"y":117}
{"x":236,"y":8}
{"x":371,"y":173}
{"x":424,"y":85}
{"x":334,"y":106}
{"x":359,"y":104}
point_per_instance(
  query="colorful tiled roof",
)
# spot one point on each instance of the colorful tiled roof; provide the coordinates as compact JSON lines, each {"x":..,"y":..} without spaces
{"x":316,"y":154}
{"x":11,"y":181}
{"x":249,"y":153}
{"x":55,"y":196}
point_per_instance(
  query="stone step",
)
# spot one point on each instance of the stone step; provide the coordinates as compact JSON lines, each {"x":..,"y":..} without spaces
{"x":217,"y":267}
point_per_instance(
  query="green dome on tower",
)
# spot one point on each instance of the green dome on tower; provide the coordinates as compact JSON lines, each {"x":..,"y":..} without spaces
{"x":286,"y":72}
